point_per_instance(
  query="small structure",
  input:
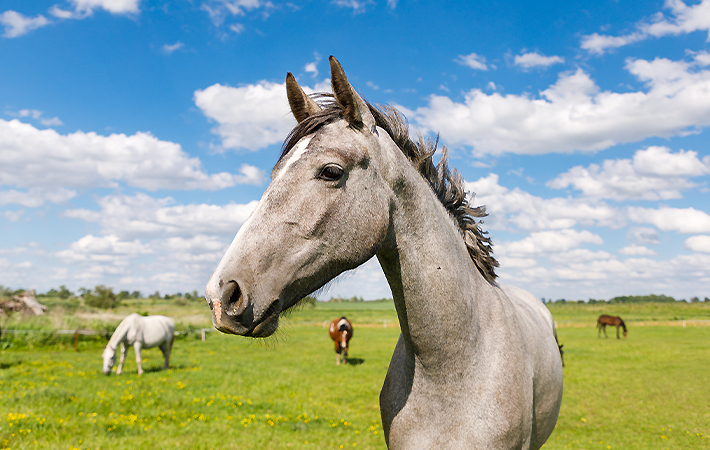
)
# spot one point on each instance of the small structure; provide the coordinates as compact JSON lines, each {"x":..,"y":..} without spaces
{"x":25,"y":302}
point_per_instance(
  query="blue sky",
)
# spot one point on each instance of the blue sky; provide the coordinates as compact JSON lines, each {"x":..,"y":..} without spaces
{"x":137,"y":136}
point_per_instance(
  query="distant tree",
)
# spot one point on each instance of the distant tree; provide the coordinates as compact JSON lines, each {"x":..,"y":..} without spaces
{"x":642,"y":299}
{"x":155,"y":295}
{"x":64,"y":293}
{"x":707,"y":299}
{"x":5,"y":291}
{"x":123,"y":295}
{"x":50,"y":293}
{"x":101,"y":297}
{"x":694,"y":300}
{"x":135,"y":294}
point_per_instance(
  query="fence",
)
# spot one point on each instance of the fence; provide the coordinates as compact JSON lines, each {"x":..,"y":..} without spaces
{"x":104,"y":333}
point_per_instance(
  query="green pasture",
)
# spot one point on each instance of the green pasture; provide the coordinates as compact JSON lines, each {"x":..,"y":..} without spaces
{"x":651,"y":391}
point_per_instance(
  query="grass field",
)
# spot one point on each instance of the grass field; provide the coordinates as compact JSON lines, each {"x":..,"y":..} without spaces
{"x":651,"y":391}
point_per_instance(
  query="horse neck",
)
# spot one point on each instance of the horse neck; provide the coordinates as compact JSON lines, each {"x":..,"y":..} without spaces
{"x":435,"y":285}
{"x":119,"y":334}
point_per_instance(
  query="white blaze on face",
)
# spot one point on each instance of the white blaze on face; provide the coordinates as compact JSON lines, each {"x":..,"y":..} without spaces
{"x":296,"y":152}
{"x":343,"y":341}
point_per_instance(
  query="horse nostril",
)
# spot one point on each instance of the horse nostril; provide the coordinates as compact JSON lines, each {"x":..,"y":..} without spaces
{"x":234,"y":303}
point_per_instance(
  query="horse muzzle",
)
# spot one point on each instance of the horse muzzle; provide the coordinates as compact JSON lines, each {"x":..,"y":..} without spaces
{"x":234,"y":313}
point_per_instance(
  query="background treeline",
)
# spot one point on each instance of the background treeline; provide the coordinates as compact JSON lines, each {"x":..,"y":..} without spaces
{"x":101,"y":296}
{"x":630,"y":299}
{"x":104,"y":297}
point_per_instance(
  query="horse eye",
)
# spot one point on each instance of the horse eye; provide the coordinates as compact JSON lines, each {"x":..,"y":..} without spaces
{"x":331,"y":172}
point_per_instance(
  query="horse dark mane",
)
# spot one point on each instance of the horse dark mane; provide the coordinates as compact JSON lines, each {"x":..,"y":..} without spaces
{"x":447,"y":183}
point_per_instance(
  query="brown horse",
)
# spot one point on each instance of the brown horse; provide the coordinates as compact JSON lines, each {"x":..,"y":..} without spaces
{"x":605,"y":320}
{"x":341,"y":330}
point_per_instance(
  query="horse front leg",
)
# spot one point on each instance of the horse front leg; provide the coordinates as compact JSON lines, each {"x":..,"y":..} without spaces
{"x":605,"y":335}
{"x":137,"y":347}
{"x":122,"y":359}
{"x":617,"y":332}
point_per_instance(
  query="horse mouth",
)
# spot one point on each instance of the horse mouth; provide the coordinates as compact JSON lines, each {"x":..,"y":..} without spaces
{"x":261,"y":328}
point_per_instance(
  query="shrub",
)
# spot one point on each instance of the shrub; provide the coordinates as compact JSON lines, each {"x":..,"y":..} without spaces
{"x":101,"y":297}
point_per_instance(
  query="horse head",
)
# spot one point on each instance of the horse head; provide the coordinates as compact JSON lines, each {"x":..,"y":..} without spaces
{"x":109,"y":356}
{"x":302,"y":234}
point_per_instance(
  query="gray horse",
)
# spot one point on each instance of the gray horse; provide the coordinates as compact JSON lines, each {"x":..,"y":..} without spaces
{"x":476,"y":364}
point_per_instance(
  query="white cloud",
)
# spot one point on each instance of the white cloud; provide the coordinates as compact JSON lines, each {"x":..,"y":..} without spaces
{"x":643,"y":235}
{"x":237,"y":28}
{"x":473,"y":61}
{"x":33,"y":198}
{"x":681,"y":220}
{"x":544,"y":243}
{"x":599,"y":43}
{"x":37,"y":115}
{"x":312,"y":67}
{"x":85,"y":8}
{"x":112,"y":6}
{"x":698,"y":243}
{"x":574,"y":113}
{"x":17,"y":24}
{"x":655,"y":173}
{"x":578,"y":255}
{"x":46,"y":164}
{"x":636,"y":250}
{"x":250,"y":117}
{"x":517,"y":209}
{"x":103,"y":249}
{"x":13,"y":216}
{"x":684,"y":19}
{"x":358,"y":6}
{"x":169,"y":49}
{"x":139,"y":216}
{"x":220,"y":10}
{"x":532,"y":59}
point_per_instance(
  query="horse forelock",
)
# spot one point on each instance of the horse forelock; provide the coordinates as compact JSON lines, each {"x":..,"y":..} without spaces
{"x":447,"y":183}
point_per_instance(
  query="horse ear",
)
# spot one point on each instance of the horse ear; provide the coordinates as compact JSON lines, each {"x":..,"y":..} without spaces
{"x":356,"y":110}
{"x":301,"y":104}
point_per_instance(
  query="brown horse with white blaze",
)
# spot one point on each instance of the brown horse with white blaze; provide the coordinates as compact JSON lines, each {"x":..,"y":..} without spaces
{"x":341,"y":331}
{"x":605,"y":320}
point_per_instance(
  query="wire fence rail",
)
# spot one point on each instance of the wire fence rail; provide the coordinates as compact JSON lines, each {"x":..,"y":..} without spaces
{"x":105,"y":333}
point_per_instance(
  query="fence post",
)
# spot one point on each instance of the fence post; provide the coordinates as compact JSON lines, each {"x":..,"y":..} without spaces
{"x":203,"y":334}
{"x":76,"y":340}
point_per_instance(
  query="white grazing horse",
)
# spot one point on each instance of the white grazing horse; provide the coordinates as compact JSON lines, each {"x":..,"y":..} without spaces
{"x":140,"y":332}
{"x":476,"y":365}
